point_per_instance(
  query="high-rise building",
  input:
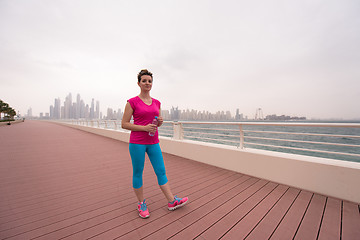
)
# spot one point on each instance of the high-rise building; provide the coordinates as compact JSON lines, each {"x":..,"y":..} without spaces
{"x":57,"y":108}
{"x":175,"y":113}
{"x":97,"y":112}
{"x":68,"y":107}
{"x":237,"y":115}
{"x":51,"y":111}
{"x":73,"y":111}
{"x":82,"y":109}
{"x":110,"y":114}
{"x":119,"y":114}
{"x":165,"y":114}
{"x":78,"y":107}
{"x":92,"y":109}
{"x":87,"y":112}
{"x":29,"y":112}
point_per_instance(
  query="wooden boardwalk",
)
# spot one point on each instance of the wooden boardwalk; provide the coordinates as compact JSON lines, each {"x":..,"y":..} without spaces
{"x":61,"y":183}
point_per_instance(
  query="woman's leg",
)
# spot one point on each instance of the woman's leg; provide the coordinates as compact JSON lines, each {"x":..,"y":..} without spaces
{"x":157,"y":161}
{"x":139,"y":194}
{"x":137,"y":153}
{"x":167,"y":192}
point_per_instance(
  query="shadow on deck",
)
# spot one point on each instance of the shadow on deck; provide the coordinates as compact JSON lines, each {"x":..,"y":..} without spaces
{"x":61,"y":183}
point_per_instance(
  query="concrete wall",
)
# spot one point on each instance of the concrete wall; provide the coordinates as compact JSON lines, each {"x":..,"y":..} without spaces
{"x":329,"y":177}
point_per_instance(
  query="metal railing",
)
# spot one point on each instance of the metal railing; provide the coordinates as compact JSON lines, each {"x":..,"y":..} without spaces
{"x":330,"y":140}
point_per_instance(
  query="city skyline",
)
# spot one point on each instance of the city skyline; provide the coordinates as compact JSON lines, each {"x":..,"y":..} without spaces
{"x":74,"y":110}
{"x":78,"y":109}
{"x":234,"y":115}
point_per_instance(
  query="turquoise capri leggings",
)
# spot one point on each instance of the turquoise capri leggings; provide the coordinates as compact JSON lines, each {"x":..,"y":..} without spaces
{"x":137,"y":153}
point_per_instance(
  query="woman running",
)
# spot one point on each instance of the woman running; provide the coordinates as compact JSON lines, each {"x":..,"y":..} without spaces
{"x":144,"y":139}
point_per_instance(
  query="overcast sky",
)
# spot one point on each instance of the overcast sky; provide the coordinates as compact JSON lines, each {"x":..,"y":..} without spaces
{"x":298,"y":58}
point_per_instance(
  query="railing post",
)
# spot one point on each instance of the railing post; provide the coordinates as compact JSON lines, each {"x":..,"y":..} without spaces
{"x":98,"y":123}
{"x":115,"y":125}
{"x":241,"y":136}
{"x":105,"y":124}
{"x":178,"y":131}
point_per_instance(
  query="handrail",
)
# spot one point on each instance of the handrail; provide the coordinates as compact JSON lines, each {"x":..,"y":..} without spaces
{"x":215,"y":134}
{"x":214,"y":129}
{"x":306,"y":149}
{"x":309,"y":134}
{"x":244,"y":138}
{"x":352,"y":125}
{"x":312,"y":142}
{"x":221,"y":140}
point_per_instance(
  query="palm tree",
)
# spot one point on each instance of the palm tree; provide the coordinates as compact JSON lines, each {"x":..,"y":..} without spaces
{"x":8,"y":111}
{"x":3,"y":107}
{"x":12,"y":113}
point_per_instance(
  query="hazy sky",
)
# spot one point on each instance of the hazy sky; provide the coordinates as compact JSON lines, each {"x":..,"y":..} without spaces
{"x":298,"y":58}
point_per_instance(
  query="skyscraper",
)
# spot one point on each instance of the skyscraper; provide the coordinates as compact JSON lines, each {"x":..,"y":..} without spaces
{"x":51,"y":111}
{"x":29,"y":112}
{"x":97,"y":113}
{"x":82,"y":109}
{"x":119,"y":114}
{"x":92,"y":109}
{"x":110,"y":113}
{"x":78,"y":107}
{"x":57,"y":108}
{"x":68,"y":107}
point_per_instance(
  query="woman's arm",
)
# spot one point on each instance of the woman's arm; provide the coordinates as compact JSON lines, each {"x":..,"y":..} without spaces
{"x":126,"y":124}
{"x":160,"y":118}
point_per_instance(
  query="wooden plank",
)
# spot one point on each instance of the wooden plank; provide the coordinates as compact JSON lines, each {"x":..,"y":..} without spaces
{"x":350,"y":221}
{"x":48,"y":213}
{"x":290,"y":223}
{"x":69,"y":218}
{"x":267,"y":226}
{"x":87,"y":224}
{"x":331,"y":223}
{"x":237,"y":212}
{"x":171,"y":223}
{"x":245,"y":226}
{"x":135,"y":227}
{"x":198,"y":219}
{"x":310,"y":225}
{"x":75,"y":202}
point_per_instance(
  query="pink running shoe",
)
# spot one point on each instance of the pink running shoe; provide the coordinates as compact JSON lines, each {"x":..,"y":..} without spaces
{"x":178,"y":202}
{"x":143,"y":211}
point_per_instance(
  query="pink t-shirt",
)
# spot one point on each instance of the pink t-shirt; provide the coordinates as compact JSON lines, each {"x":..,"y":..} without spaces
{"x":143,"y":115}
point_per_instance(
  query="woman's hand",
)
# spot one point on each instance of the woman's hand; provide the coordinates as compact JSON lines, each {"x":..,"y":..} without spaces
{"x":150,"y":128}
{"x":160,"y":120}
